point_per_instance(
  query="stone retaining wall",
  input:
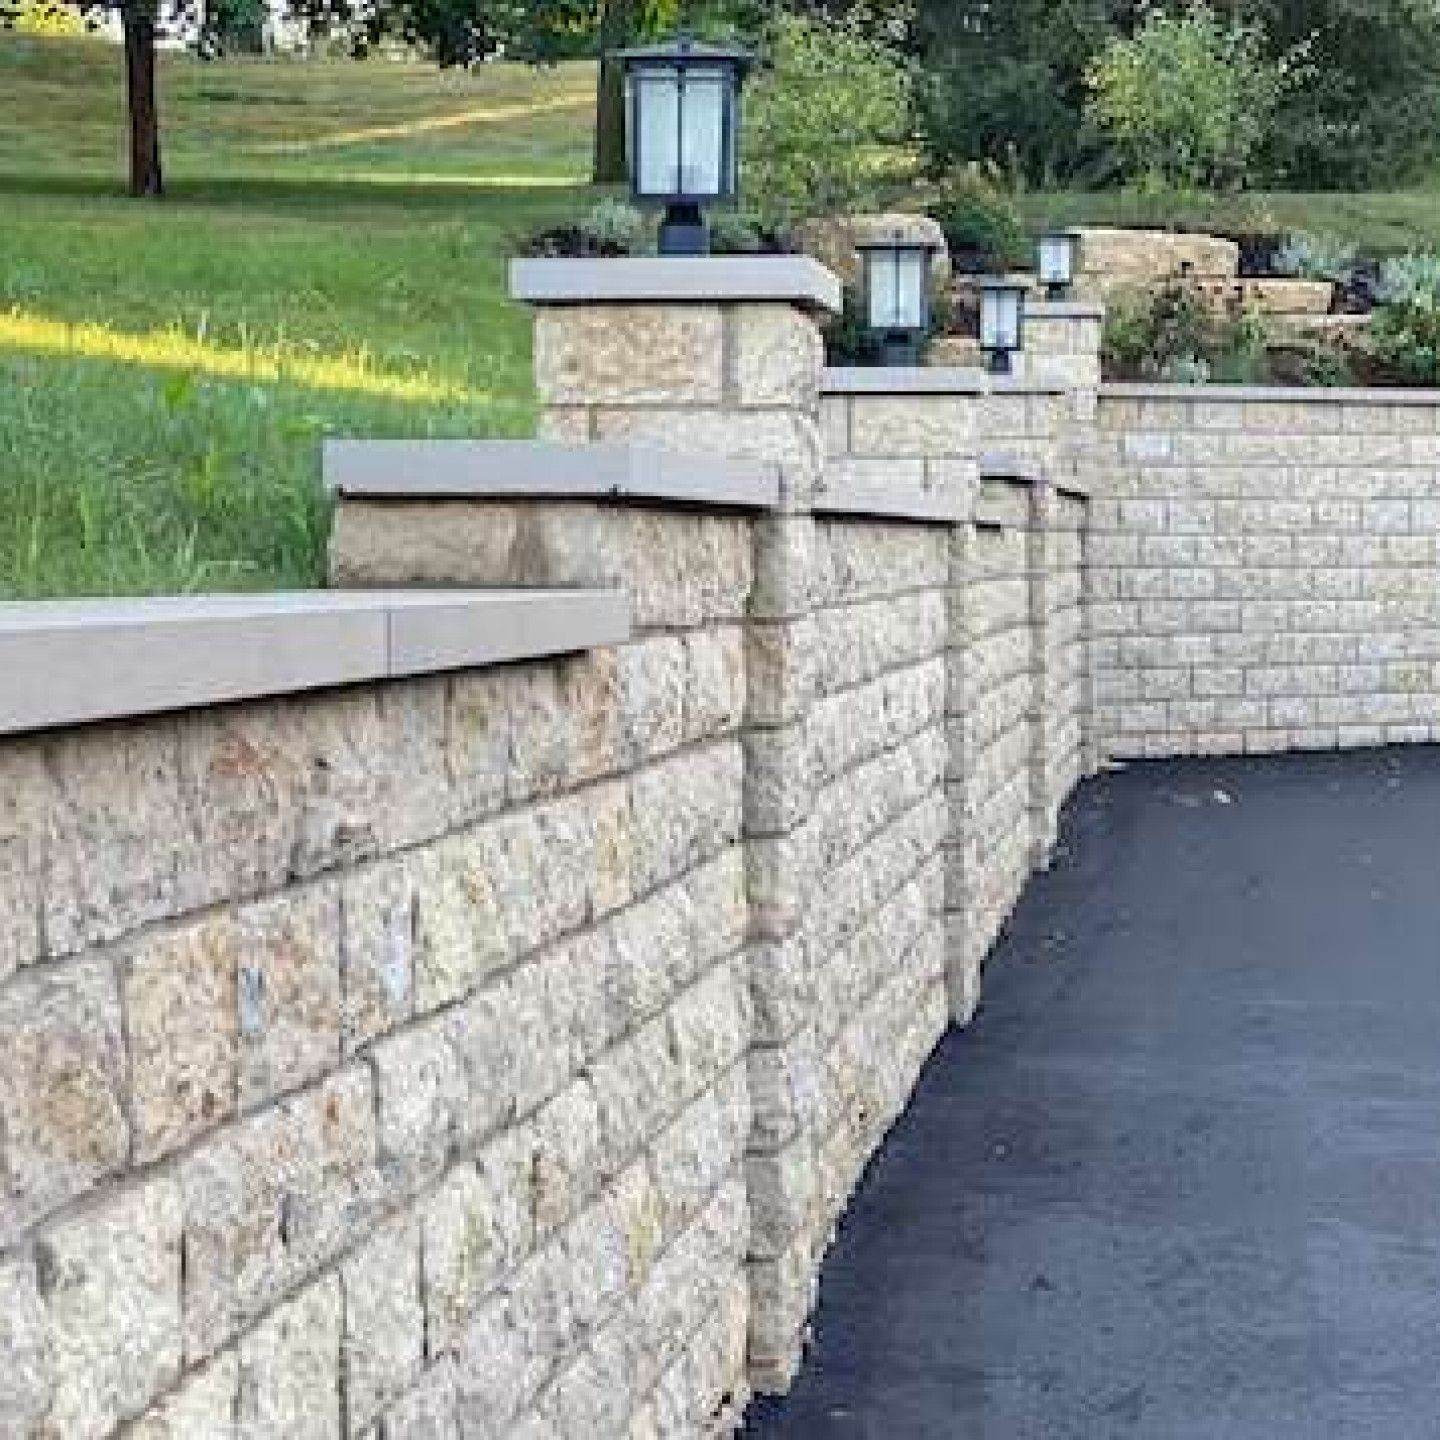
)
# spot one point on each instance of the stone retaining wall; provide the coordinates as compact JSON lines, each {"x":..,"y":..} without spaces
{"x":492,"y":1052}
{"x":1264,"y":570}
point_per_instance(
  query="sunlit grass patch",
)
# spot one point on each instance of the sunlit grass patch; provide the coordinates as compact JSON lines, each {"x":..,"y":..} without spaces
{"x":274,"y":362}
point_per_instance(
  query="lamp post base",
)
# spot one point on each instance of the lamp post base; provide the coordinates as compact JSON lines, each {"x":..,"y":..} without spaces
{"x":899,"y":349}
{"x":683,"y":231}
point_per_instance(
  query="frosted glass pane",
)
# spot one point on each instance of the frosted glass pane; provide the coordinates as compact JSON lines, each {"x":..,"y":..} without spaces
{"x":658,"y":104}
{"x":1000,"y":320}
{"x":897,"y":291}
{"x":702,"y":165}
{"x":1055,"y":260}
{"x":910,"y":292}
{"x":884,"y":291}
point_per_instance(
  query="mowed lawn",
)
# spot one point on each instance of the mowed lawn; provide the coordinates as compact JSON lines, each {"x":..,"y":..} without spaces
{"x":330,"y":261}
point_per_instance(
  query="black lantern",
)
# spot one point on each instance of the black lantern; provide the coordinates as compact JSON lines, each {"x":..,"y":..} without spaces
{"x":683,"y":104}
{"x":1059,"y":258}
{"x":1002,"y":322}
{"x":897,"y":295}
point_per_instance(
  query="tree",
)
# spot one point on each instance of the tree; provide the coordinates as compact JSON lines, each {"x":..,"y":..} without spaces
{"x":1188,"y":99}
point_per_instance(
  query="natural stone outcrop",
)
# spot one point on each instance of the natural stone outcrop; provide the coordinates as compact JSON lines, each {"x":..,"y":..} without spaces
{"x":835,"y":240}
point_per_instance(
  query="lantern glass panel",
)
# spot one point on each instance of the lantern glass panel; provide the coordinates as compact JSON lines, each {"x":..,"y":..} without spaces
{"x":702,"y":134}
{"x":896,"y":282}
{"x":1057,"y":259}
{"x":1000,"y":319}
{"x":655,"y":103}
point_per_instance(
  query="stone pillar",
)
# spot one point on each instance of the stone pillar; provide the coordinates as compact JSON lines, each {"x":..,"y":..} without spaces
{"x":1063,"y":343}
{"x":724,"y":357}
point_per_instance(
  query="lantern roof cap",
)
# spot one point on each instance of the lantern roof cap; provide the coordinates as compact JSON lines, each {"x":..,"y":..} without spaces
{"x":687,"y":50}
{"x":1003,"y":282}
{"x":899,"y":239}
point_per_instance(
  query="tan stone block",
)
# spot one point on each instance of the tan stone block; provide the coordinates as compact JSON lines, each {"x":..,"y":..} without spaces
{"x":25,"y":799}
{"x":383,"y":1346}
{"x":473,"y":542}
{"x":270,"y":1200}
{"x":27,"y":1378}
{"x":568,"y":1155}
{"x":461,"y":931}
{"x":203,"y":1408}
{"x":379,"y":923}
{"x":477,"y":1227}
{"x":925,"y":425}
{"x":290,"y":1370}
{"x":777,"y":354}
{"x":629,"y":354}
{"x":288,"y":985}
{"x":180,"y":1007}
{"x":428,"y":1412}
{"x":62,"y":1090}
{"x":111,"y":1281}
{"x":478,"y":737}
{"x":280,"y":790}
{"x":789,"y":438}
{"x":116,"y":840}
{"x":565,"y":724}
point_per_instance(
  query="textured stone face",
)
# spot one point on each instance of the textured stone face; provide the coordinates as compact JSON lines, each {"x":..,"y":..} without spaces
{"x":288,"y":993}
{"x":27,"y":1379}
{"x":62,"y":1089}
{"x":641,"y":354}
{"x":290,"y":1371}
{"x":180,"y":1003}
{"x":111,"y":1279}
{"x":384,"y":1339}
{"x":203,"y":1406}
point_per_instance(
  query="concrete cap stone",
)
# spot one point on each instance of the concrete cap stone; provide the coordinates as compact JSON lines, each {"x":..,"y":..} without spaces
{"x":73,"y":662}
{"x":863,"y":492}
{"x":511,"y":469}
{"x":1268,"y":394}
{"x":678,"y":279}
{"x":927,"y":380}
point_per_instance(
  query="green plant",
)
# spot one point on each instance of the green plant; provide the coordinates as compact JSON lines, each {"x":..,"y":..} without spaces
{"x":979,"y":219}
{"x":737,"y":232}
{"x":1304,"y":256}
{"x":614,"y":227}
{"x":1405,"y":334}
{"x":1175,"y":334}
{"x":814,"y":121}
{"x":1188,"y":99}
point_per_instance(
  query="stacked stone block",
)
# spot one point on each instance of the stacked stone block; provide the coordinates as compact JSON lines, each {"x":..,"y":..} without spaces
{"x":1263,"y":571}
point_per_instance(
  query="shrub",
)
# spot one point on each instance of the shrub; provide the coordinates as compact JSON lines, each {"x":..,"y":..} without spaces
{"x":1176,"y":335}
{"x":1187,"y":100}
{"x":1316,"y":257}
{"x":981,"y":222}
{"x":1405,"y":334}
{"x":614,"y":228}
{"x":815,"y":118}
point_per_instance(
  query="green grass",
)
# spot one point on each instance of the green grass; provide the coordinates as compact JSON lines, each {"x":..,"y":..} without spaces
{"x":168,"y":371}
{"x":1379,"y":223}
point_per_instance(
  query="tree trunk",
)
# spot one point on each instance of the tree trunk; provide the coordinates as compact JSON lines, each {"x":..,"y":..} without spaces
{"x":616,"y":29}
{"x":145,"y":174}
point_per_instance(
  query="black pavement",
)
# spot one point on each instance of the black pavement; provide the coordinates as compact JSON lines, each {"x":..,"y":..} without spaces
{"x":1182,"y":1177}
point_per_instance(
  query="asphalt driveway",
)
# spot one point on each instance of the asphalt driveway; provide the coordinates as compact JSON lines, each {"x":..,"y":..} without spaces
{"x":1181,"y":1180}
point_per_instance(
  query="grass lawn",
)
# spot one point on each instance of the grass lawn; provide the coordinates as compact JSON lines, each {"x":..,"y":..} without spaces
{"x":330,"y":261}
{"x":1379,"y":222}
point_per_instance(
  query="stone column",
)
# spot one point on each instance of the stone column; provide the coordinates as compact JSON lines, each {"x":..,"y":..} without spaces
{"x":724,"y":357}
{"x":1063,"y":343}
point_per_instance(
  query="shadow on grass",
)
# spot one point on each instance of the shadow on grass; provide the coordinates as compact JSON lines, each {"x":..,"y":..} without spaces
{"x":326,"y":194}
